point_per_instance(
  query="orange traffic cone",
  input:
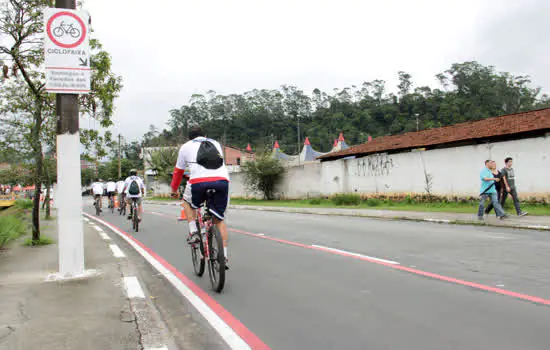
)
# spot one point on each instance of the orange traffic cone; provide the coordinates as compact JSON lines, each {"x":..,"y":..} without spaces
{"x":182,"y":215}
{"x":116,"y":203}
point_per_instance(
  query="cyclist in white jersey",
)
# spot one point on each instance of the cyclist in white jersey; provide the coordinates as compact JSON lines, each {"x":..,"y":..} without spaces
{"x":97,"y":191}
{"x":138,"y":194}
{"x":211,"y":174}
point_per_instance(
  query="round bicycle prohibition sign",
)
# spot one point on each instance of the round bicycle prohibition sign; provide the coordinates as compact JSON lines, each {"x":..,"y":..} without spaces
{"x":66,"y":30}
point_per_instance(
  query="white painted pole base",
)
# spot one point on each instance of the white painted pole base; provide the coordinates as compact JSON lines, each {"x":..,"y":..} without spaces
{"x":69,"y":206}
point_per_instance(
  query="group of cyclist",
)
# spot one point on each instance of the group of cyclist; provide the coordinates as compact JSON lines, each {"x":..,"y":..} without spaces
{"x":130,"y":188}
{"x":203,"y":157}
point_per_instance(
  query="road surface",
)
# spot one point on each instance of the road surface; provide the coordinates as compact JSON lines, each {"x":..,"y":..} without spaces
{"x":323,"y":282}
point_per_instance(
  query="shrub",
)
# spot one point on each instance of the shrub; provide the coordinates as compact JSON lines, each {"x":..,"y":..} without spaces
{"x":315,"y":201}
{"x":263,"y":174}
{"x":24,"y":203}
{"x":346,"y":199}
{"x":373,"y":202}
{"x":11,"y":227}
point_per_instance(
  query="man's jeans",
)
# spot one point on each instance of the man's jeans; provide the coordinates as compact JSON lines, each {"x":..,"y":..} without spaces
{"x":514,"y":195}
{"x":494,"y":199}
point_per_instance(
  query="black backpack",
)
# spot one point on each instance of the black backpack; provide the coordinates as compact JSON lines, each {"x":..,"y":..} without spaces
{"x":133,"y":189}
{"x":208,"y":156}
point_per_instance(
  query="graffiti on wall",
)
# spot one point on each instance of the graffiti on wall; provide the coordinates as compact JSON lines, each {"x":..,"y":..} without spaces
{"x":375,"y":165}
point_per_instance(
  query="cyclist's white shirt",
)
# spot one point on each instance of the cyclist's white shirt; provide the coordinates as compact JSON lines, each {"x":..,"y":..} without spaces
{"x":97,"y":188}
{"x":187,"y":158}
{"x":120,"y":186}
{"x":111,"y":186}
{"x":127,"y":186}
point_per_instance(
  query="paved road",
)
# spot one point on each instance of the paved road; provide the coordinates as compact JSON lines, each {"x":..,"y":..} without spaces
{"x":293,"y":295}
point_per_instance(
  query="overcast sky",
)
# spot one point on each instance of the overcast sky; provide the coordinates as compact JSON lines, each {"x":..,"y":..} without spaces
{"x":166,"y":51}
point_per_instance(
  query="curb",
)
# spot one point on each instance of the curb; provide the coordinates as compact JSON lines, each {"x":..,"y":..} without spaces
{"x":403,"y":218}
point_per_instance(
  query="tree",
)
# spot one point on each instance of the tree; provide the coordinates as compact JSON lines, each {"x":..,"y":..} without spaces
{"x":162,"y":161}
{"x":263,"y":174}
{"x":26,"y":107}
{"x":470,"y":91}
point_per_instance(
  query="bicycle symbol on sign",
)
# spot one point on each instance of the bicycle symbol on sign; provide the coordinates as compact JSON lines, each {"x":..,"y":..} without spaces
{"x":68,"y":29}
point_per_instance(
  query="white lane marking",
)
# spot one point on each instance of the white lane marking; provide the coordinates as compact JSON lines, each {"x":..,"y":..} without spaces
{"x":133,"y":288}
{"x":98,"y":229}
{"x":227,"y":333}
{"x":104,"y":236}
{"x":162,"y":348}
{"x":438,"y":220}
{"x":260,"y":234}
{"x":356,"y":254}
{"x":86,"y":219}
{"x":116,"y":251}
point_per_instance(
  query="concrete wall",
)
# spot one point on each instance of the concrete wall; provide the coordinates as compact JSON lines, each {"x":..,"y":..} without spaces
{"x":452,"y":171}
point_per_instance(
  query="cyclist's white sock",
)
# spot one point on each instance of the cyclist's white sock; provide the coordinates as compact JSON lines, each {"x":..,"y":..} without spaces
{"x":193,"y":226}
{"x":225,"y":251}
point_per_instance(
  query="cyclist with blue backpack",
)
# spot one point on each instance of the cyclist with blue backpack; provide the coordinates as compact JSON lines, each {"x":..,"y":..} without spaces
{"x":134,"y":188}
{"x":204,"y":159}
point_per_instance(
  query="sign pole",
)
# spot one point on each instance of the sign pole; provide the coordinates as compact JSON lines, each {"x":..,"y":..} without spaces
{"x":69,"y":207}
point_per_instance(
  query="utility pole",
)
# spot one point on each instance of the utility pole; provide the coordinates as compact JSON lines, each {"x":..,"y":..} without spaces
{"x":69,"y":216}
{"x":416,"y":115}
{"x":298,"y":119}
{"x":119,"y":165}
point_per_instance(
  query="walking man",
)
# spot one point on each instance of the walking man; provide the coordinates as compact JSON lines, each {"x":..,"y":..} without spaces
{"x":488,"y":190}
{"x":510,"y":186}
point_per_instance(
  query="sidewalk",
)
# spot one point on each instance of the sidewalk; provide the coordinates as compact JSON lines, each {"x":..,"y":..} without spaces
{"x":526,"y":222}
{"x":92,"y":313}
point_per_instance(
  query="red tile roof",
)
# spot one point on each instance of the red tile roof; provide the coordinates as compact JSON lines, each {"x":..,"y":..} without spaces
{"x":473,"y":130}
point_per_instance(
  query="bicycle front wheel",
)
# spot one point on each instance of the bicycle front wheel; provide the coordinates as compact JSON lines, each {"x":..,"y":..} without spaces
{"x":216,"y":261}
{"x":97,"y":208}
{"x":197,"y":255}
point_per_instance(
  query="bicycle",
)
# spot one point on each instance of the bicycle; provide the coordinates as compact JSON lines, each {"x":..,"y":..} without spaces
{"x":134,"y":215}
{"x":122,"y":206}
{"x":66,"y":29}
{"x":209,"y":247}
{"x":96,"y":205}
{"x":112,"y":203}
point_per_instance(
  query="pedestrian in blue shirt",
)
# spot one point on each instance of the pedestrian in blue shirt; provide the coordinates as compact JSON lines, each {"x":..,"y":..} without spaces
{"x":488,"y":190}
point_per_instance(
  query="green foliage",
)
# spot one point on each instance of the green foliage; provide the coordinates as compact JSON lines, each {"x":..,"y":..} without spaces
{"x":263,"y":174}
{"x":346,"y":199}
{"x":87,"y":176}
{"x":11,"y":227}
{"x":16,"y":175}
{"x":163,"y":161}
{"x":315,"y":201}
{"x":24,"y":203}
{"x":471,"y":91}
{"x":29,"y":242}
{"x":373,"y":202}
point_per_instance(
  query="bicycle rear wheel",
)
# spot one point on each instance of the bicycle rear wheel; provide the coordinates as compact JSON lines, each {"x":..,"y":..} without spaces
{"x":112,"y":206}
{"x":135,"y":218}
{"x":216,"y":261}
{"x":96,"y":207}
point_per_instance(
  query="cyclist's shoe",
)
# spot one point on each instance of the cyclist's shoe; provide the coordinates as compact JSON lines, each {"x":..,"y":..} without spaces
{"x":130,"y":217}
{"x":193,"y":238}
{"x":226,"y":264}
